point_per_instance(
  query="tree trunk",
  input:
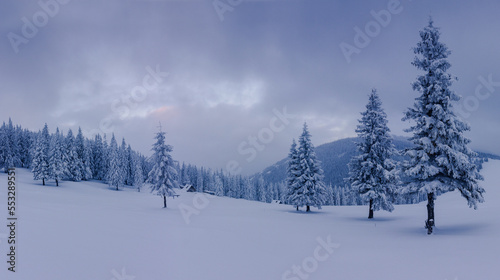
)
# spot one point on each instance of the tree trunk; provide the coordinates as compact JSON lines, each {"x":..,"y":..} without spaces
{"x":430,"y":212}
{"x":370,"y":214}
{"x":57,"y":183}
{"x":117,"y":187}
{"x":297,"y":208}
{"x":43,"y":181}
{"x":164,"y":201}
{"x":308,"y":208}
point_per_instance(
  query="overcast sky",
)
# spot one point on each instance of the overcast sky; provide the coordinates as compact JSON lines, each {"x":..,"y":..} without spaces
{"x":214,"y":76}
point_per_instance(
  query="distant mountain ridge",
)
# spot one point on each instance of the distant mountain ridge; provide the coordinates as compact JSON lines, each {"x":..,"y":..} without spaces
{"x":334,"y":157}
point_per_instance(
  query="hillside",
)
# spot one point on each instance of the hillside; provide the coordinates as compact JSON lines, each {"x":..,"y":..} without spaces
{"x":334,"y":157}
{"x":83,"y":231}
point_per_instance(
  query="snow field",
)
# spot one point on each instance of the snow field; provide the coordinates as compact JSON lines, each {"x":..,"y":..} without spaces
{"x":88,"y":231}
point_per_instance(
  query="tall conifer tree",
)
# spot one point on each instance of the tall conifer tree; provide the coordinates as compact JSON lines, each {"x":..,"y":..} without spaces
{"x":440,"y":160}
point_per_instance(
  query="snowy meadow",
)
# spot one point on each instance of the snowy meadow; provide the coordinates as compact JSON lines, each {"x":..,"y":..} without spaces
{"x":103,"y":234}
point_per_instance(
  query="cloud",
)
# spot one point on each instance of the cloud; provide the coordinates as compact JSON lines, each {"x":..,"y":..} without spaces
{"x":225,"y":78}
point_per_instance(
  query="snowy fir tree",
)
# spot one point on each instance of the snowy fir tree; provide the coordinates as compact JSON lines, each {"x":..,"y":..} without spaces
{"x":308,"y":188}
{"x":25,"y":144}
{"x":9,"y":147}
{"x":57,"y":166}
{"x":130,"y":166}
{"x":13,"y":138}
{"x":219,"y":186}
{"x":200,"y":181}
{"x":16,"y":146}
{"x":99,"y":160}
{"x":184,"y":177}
{"x":293,"y":172}
{"x":249,"y":192}
{"x":115,"y":175}
{"x":74,"y":163}
{"x":163,"y":176}
{"x":440,"y":160}
{"x":5,"y":150}
{"x":41,"y":157}
{"x":329,"y":195}
{"x":373,"y":173}
{"x":138,"y":174}
{"x":105,"y":156}
{"x":270,"y":193}
{"x":122,"y":154}
{"x":83,"y":155}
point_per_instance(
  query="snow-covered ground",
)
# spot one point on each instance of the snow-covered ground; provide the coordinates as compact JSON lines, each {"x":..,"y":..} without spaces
{"x":87,"y":231}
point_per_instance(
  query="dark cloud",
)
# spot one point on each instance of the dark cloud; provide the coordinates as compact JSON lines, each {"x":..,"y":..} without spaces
{"x":226,"y":79}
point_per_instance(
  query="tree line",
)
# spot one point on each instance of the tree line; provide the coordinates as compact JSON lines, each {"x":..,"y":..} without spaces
{"x":57,"y":157}
{"x":68,"y":157}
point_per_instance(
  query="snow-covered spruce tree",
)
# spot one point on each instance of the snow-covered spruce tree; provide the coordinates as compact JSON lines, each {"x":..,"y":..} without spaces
{"x":200,"y":184}
{"x":249,"y":191}
{"x":270,"y":192}
{"x":292,"y":173}
{"x":105,"y":157}
{"x":184,"y":179}
{"x":41,"y":157}
{"x":115,"y":175}
{"x":25,"y":143}
{"x":73,"y":162}
{"x":130,"y":166}
{"x":122,"y":154}
{"x":309,"y":189}
{"x":373,"y":173}
{"x":163,"y":176}
{"x":329,"y":195}
{"x":13,"y":138}
{"x":262,"y":189}
{"x":9,"y":147}
{"x":219,"y":187}
{"x":83,"y":155}
{"x":440,"y":160}
{"x":4,"y":148}
{"x":57,"y":166}
{"x":138,"y":175}
{"x":98,"y":158}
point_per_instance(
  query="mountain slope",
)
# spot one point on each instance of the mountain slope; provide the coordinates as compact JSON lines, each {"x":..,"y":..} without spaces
{"x":334,"y":158}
